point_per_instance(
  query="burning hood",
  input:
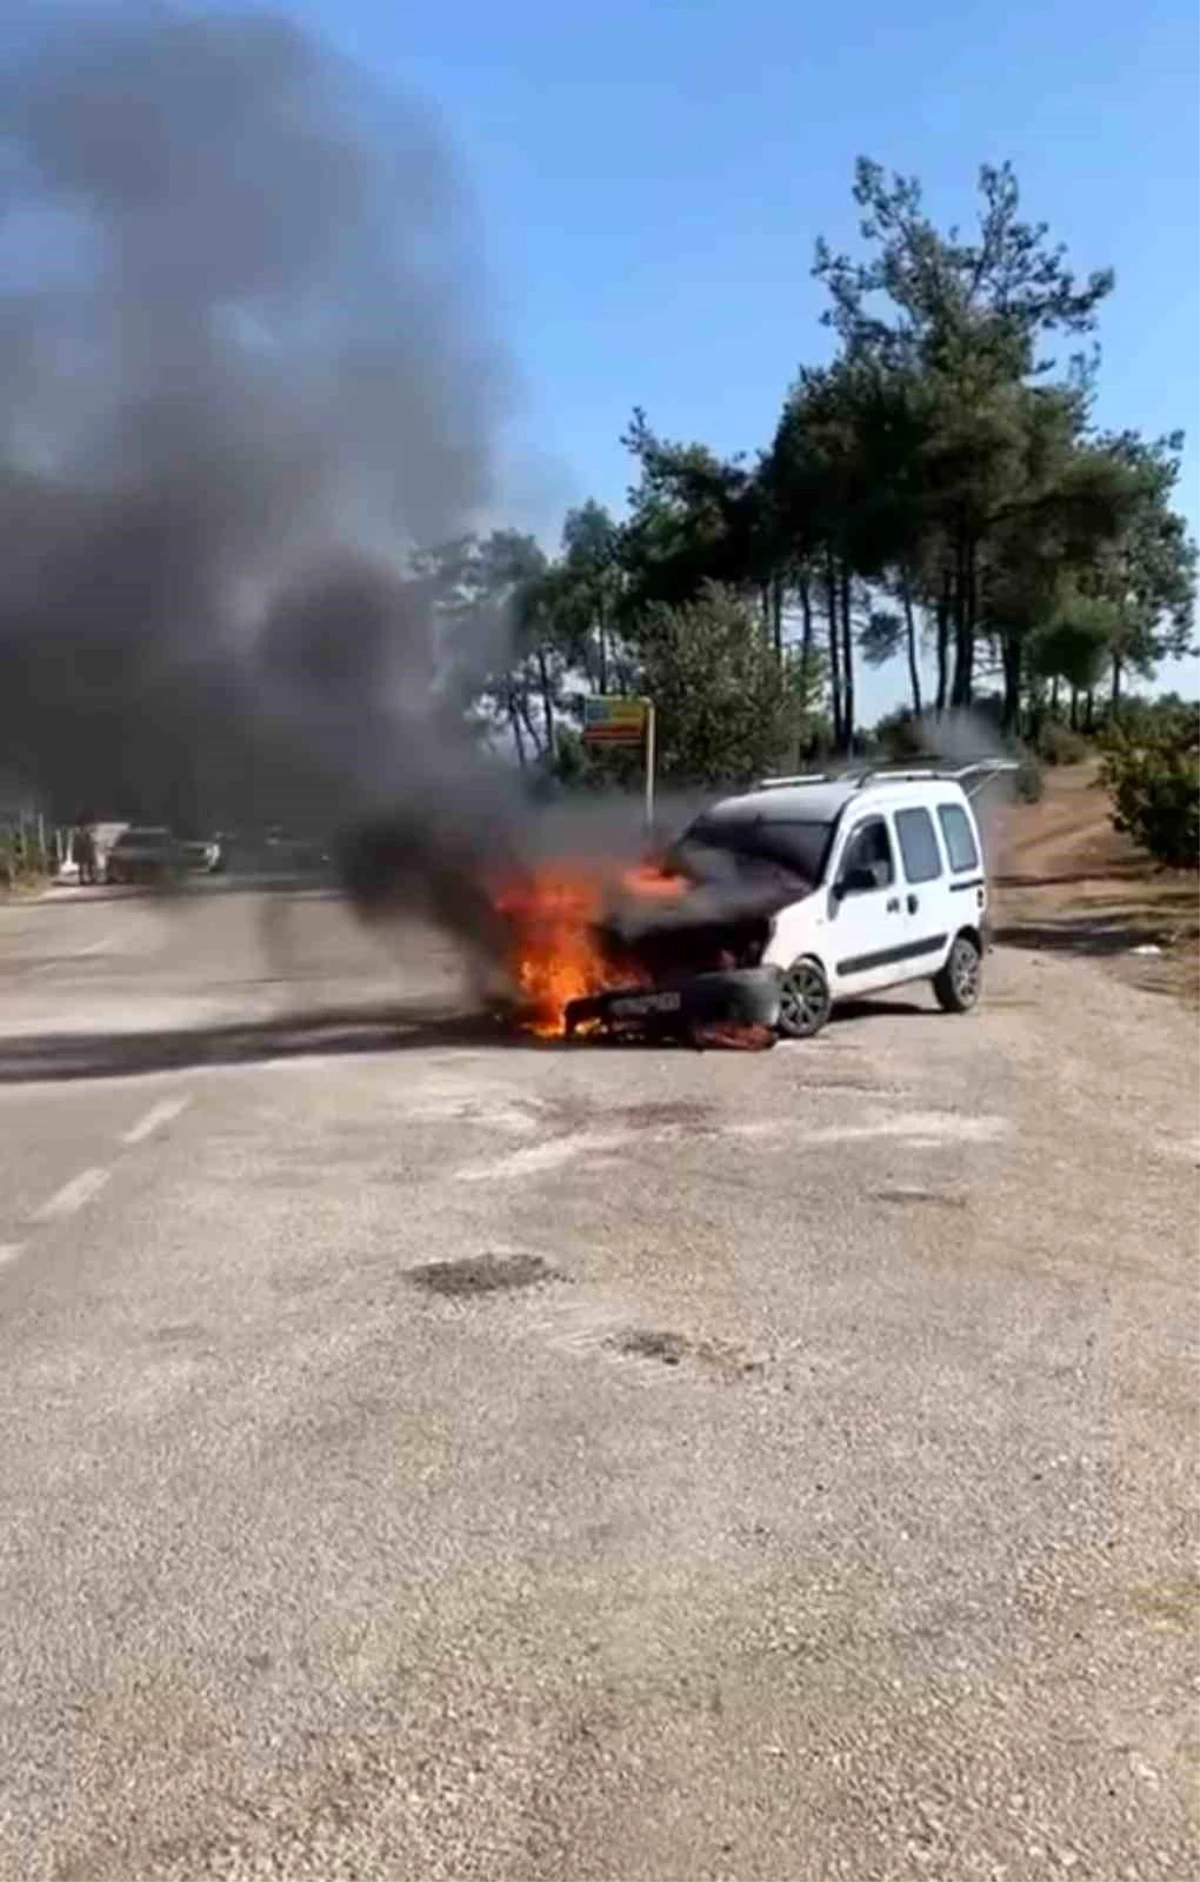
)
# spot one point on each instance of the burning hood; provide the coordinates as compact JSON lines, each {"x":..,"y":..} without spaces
{"x":561,"y":928}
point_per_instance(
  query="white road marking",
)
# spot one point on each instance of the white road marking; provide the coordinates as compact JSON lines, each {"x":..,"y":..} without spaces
{"x":103,"y":946}
{"x":73,"y":1195}
{"x":549,"y":1156}
{"x":924,"y":1129}
{"x":159,"y":1114}
{"x":9,"y":1252}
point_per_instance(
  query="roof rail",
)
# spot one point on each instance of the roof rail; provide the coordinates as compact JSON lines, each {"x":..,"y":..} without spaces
{"x":803,"y":777}
{"x":899,"y":772}
{"x":985,"y":768}
{"x":902,"y":774}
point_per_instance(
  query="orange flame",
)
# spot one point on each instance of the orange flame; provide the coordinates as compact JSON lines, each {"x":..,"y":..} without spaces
{"x":648,"y":880}
{"x":556,"y":955}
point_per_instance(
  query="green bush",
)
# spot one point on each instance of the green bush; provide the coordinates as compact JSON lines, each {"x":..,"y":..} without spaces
{"x":1057,"y":744}
{"x":1152,"y":770}
{"x":23,"y":865}
{"x":900,"y":735}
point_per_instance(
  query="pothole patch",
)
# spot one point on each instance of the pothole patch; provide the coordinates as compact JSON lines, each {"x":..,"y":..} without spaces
{"x":482,"y":1274}
{"x":680,"y":1114}
{"x":658,"y":1347}
{"x":931,"y":1198}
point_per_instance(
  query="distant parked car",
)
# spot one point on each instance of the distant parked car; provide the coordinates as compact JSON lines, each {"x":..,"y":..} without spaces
{"x":145,"y":853}
{"x":201,"y":856}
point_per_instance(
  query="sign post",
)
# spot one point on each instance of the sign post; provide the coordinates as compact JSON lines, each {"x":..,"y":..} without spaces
{"x":651,"y":761}
{"x":612,"y":719}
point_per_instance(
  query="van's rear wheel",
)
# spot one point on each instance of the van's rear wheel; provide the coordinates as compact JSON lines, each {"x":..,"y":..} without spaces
{"x":804,"y":999}
{"x":958,"y":984}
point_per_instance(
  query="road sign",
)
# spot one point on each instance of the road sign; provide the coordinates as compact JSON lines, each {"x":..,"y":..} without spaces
{"x":613,"y":720}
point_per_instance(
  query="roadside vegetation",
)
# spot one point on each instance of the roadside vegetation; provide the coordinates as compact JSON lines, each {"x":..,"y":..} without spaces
{"x":935,"y":498}
{"x":25,"y":861}
{"x":1069,"y":880}
{"x":1152,"y":769}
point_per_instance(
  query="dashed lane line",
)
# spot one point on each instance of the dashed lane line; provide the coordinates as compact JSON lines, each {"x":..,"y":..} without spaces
{"x":155,"y":1118}
{"x":88,"y":1183}
{"x":93,"y":948}
{"x":73,"y":1195}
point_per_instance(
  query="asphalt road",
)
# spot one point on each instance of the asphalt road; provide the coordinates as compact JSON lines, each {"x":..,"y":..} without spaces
{"x":425,"y":1456}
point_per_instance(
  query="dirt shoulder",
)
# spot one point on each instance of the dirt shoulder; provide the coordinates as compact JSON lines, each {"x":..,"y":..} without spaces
{"x":1067,"y":882}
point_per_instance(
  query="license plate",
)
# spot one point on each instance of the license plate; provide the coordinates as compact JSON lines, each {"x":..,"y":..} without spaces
{"x":634,"y":1006}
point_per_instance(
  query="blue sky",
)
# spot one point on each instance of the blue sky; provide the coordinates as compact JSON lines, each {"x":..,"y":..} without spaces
{"x":651,"y":178}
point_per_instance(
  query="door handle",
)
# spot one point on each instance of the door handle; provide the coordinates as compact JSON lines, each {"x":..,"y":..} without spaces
{"x":893,"y":907}
{"x":913,"y":905}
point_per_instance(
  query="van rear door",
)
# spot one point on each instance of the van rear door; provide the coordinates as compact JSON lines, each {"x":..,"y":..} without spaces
{"x":929,"y":900}
{"x":964,"y":856}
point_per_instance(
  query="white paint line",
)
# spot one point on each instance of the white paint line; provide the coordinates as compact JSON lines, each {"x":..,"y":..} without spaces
{"x":73,"y":1195}
{"x":155,"y":1118}
{"x":103,"y":946}
{"x":924,"y":1129}
{"x":548,"y":1156}
{"x":9,"y":1252}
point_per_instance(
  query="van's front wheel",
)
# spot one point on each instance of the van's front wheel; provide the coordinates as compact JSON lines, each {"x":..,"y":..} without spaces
{"x":957,"y":986}
{"x":804,"y":999}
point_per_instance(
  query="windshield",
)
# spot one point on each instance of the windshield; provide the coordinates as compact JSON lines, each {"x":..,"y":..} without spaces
{"x":799,"y":847}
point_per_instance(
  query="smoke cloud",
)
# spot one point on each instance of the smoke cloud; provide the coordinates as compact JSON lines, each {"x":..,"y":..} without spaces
{"x":242,"y":373}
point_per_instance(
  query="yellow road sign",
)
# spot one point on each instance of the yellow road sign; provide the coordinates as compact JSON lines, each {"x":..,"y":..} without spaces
{"x":613,"y":720}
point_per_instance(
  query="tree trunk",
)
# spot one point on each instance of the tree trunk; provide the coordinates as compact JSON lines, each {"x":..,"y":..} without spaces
{"x":943,"y":644}
{"x":964,"y":625}
{"x":514,"y":718}
{"x":1116,"y":684}
{"x":835,"y":663}
{"x":602,"y":642}
{"x":910,"y":635}
{"x":547,"y":703}
{"x":806,"y":616}
{"x":958,"y":608}
{"x":1054,"y":697}
{"x":847,"y":661}
{"x":972,"y":622}
{"x":777,"y":617}
{"x":527,"y":720}
{"x":1089,"y":711}
{"x":1074,"y":709}
{"x":806,"y":639}
{"x":1011,"y":655}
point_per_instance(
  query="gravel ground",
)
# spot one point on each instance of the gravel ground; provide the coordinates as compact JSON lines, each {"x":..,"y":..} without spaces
{"x":462,"y":1460}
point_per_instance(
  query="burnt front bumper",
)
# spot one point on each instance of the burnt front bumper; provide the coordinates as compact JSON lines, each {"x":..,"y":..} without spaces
{"x":745,"y":996}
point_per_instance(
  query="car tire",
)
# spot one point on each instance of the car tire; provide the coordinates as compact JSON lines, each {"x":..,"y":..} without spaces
{"x":958,"y":985}
{"x":805,"y":1001}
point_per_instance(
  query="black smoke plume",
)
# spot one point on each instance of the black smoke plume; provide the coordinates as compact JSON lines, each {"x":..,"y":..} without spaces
{"x":241,"y":376}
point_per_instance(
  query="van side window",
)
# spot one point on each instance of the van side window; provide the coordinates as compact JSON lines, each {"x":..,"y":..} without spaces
{"x":918,"y":845}
{"x":960,"y":838}
{"x":869,"y":849}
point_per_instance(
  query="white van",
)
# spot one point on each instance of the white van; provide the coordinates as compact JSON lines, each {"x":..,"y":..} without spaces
{"x":895,"y":888}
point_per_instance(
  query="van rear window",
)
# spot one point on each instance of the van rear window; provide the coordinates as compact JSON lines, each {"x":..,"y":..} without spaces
{"x":960,"y":838}
{"x":918,"y":845}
